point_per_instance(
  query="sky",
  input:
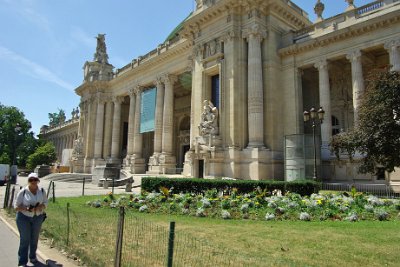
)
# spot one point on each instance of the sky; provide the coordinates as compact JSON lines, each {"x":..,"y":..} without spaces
{"x":45,"y":43}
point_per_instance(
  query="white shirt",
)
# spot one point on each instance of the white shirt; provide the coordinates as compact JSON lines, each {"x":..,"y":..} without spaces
{"x":29,"y":199}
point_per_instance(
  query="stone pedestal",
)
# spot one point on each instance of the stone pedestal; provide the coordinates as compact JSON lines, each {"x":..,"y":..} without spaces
{"x":42,"y":170}
{"x":108,"y":171}
{"x":167,"y":164}
{"x":77,"y":165}
{"x":138,"y":165}
{"x":255,"y":164}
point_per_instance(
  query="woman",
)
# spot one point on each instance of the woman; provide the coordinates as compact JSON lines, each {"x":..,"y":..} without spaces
{"x":29,"y":204}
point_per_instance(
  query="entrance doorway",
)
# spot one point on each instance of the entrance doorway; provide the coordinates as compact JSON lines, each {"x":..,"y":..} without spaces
{"x":201,"y":168}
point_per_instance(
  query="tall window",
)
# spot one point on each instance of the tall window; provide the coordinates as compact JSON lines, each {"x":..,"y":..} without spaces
{"x":335,"y":126}
{"x":215,"y":92}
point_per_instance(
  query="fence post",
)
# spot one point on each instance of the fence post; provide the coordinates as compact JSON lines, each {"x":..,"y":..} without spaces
{"x":83,"y":186}
{"x":120,"y":235}
{"x":12,"y":198}
{"x":171,"y":243}
{"x":68,"y":224}
{"x":49,"y":188}
{"x":54,"y":193}
{"x":7,"y":194}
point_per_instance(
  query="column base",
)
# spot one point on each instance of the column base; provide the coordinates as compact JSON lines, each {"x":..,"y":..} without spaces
{"x":137,"y":165}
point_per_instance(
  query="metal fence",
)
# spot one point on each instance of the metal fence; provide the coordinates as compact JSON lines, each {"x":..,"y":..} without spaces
{"x":381,"y":190}
{"x":115,"y":237}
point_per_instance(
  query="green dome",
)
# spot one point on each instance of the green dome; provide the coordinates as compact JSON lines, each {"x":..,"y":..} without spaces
{"x":177,"y":29}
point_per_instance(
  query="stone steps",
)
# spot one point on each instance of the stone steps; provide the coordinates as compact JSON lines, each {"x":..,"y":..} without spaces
{"x":69,"y":177}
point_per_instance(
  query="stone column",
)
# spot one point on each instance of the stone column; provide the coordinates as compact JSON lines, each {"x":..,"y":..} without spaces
{"x":357,"y":80}
{"x":138,"y":138}
{"x":116,"y":130}
{"x":393,"y":47}
{"x":98,"y":139}
{"x":255,"y":87}
{"x":325,"y":103}
{"x":138,"y":164}
{"x":108,"y":126}
{"x":168,"y":115}
{"x":158,"y":128}
{"x":131,"y":123}
{"x":89,"y":129}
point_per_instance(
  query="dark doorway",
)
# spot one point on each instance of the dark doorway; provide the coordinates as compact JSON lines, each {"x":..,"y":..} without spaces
{"x":201,"y":168}
{"x":124,"y":139}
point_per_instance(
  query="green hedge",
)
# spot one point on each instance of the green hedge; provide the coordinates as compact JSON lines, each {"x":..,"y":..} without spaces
{"x":196,"y":185}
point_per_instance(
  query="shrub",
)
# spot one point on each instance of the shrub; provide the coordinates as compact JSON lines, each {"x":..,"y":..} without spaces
{"x":45,"y":154}
{"x":212,"y":187}
{"x":304,"y":216}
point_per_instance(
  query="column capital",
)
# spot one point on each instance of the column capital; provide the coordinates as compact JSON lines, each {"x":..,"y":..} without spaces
{"x":354,"y":56}
{"x":159,"y":81}
{"x":117,"y":99}
{"x":255,"y":31}
{"x":392,"y":44}
{"x":321,"y":64}
{"x":230,"y":35}
{"x":100,"y":98}
{"x":169,"y":79}
{"x":137,"y":89}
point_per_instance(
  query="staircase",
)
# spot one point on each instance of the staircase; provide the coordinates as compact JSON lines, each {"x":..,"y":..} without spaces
{"x":69,"y":177}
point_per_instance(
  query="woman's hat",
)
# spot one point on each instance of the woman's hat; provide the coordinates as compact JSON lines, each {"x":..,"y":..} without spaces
{"x":33,"y":176}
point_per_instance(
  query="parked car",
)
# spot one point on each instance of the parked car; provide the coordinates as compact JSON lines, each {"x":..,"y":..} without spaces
{"x":4,"y":173}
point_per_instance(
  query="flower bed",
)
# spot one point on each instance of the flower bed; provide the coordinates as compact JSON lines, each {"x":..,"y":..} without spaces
{"x":261,"y":205}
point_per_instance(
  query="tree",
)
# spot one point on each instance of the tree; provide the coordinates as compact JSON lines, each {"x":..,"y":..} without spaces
{"x":56,"y":119}
{"x":377,"y":134}
{"x":15,"y":145}
{"x":44,"y":154}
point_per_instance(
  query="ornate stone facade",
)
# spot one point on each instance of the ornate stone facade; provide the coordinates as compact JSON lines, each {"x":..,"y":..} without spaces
{"x":261,"y":63}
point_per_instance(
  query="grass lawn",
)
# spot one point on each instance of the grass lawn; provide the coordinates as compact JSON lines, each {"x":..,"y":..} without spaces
{"x":233,"y":242}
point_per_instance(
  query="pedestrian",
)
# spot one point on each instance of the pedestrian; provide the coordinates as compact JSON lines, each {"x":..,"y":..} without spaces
{"x":30,"y":204}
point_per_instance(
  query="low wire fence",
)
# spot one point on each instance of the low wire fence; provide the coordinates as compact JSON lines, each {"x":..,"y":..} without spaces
{"x":121,"y":238}
{"x":381,"y":190}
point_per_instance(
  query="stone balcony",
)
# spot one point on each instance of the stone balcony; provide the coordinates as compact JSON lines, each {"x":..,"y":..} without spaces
{"x":344,"y":20}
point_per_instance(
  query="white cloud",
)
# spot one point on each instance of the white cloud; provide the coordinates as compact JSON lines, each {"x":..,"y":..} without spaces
{"x":81,"y":36}
{"x":33,"y":69}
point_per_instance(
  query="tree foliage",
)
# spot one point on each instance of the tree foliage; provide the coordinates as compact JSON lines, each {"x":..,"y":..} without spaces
{"x":56,"y":119}
{"x":377,"y":134}
{"x":14,"y":144}
{"x":44,"y":154}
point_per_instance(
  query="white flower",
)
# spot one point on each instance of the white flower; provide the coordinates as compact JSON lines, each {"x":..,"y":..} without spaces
{"x":269,"y":216}
{"x":225,"y":214}
{"x":206,"y":203}
{"x":200,"y":212}
{"x":143,"y":208}
{"x":304,"y":216}
{"x":244,"y":207}
{"x":369,"y":208}
{"x":352,"y":217}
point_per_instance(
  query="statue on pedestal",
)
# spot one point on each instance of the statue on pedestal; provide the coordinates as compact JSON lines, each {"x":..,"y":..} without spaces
{"x":209,"y":119}
{"x":78,"y":147}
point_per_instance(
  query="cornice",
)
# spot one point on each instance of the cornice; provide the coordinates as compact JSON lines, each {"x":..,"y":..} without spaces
{"x":340,"y":35}
{"x":92,"y":87}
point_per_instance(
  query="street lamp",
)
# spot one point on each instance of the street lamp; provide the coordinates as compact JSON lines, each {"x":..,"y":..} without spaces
{"x":14,"y":170}
{"x":314,"y":116}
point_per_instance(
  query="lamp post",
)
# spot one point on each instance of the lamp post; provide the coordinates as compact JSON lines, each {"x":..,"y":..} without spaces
{"x":314,"y":116}
{"x":14,"y":170}
{"x":17,"y":131}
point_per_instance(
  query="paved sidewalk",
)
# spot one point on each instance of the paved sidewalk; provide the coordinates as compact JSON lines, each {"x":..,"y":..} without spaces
{"x":9,"y":232}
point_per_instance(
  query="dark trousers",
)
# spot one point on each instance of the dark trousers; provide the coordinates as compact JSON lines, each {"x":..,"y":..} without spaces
{"x":29,"y":229}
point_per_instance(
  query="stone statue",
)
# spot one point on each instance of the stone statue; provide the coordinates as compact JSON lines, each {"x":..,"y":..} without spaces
{"x":73,"y":113}
{"x":101,"y":49}
{"x":209,"y":119}
{"x":78,"y":147}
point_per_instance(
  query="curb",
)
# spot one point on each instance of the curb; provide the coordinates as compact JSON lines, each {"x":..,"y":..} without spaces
{"x":38,"y":252}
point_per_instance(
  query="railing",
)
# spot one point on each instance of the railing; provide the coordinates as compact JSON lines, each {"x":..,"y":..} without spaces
{"x":67,"y":123}
{"x":381,"y":190}
{"x":370,"y":7}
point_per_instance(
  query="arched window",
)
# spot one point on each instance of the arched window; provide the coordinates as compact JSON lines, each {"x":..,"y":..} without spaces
{"x":335,"y":126}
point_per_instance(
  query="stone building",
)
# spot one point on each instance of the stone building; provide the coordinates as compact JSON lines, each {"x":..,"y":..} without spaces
{"x":224,"y":95}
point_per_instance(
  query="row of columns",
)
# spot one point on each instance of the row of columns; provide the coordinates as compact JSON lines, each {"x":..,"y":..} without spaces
{"x":101,"y":122}
{"x":63,"y":142}
{"x":357,"y":84}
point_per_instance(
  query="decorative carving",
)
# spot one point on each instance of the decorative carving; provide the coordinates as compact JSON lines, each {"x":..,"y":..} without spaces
{"x":78,"y":147}
{"x":319,"y":9}
{"x":169,"y":79}
{"x":101,"y":50}
{"x":117,"y":99}
{"x":354,"y":56}
{"x":255,"y":31}
{"x":209,"y":119}
{"x":351,"y":5}
{"x":212,"y":48}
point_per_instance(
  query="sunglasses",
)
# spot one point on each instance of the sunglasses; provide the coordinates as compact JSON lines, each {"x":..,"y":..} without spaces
{"x":33,"y":180}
